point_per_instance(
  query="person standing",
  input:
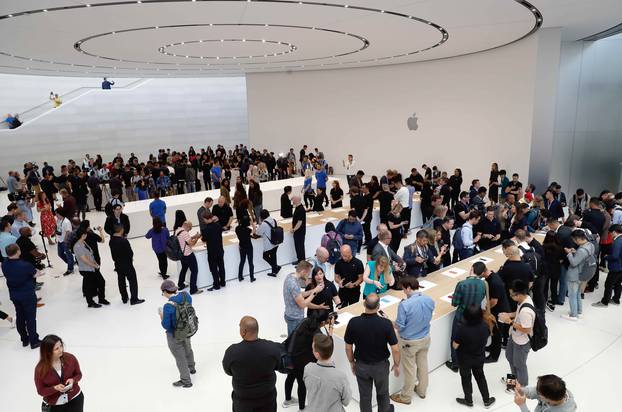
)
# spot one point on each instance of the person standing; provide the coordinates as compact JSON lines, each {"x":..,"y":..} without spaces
{"x":157,"y":208}
{"x":93,"y":283}
{"x":63,"y":230}
{"x":269,"y":249}
{"x":351,"y":231}
{"x":159,"y":236}
{"x":123,"y":257}
{"x":299,"y":228}
{"x":348,"y":165}
{"x":244,"y":231}
{"x":521,"y":327}
{"x":117,"y":218}
{"x":48,"y":223}
{"x":252,"y":364}
{"x":328,"y":389}
{"x":613,"y":283}
{"x":212,"y":235}
{"x":349,"y":276}
{"x":297,"y":300}
{"x":286,"y":203}
{"x":413,"y":324}
{"x":19,"y":276}
{"x":367,"y":337}
{"x":470,"y":291}
{"x":188,"y":260}
{"x":207,"y":207}
{"x":180,"y":346}
{"x":469,"y":340}
{"x":56,"y":377}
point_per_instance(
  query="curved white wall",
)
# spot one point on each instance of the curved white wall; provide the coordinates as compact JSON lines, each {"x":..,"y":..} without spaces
{"x":472,"y":110}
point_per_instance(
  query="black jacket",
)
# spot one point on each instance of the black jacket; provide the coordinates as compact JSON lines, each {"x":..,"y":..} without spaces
{"x":111,"y":221}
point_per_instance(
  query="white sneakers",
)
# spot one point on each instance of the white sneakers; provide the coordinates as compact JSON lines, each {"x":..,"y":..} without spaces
{"x":291,"y":402}
{"x":572,"y":318}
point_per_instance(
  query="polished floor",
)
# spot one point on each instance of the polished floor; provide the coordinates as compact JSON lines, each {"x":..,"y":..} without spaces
{"x":128,"y":368}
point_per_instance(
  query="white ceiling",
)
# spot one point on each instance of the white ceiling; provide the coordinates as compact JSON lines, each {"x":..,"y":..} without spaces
{"x":151,"y":38}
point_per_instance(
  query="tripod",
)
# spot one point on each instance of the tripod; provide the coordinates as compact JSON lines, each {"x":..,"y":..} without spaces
{"x":45,"y":248}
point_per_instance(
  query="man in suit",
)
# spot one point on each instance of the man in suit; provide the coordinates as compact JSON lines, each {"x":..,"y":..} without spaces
{"x":123,"y":257}
{"x":382,"y":248}
{"x":211,"y":233}
{"x":117,"y":218}
{"x":20,"y":281}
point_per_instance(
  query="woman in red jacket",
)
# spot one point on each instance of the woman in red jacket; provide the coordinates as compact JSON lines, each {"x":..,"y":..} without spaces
{"x":56,"y":377}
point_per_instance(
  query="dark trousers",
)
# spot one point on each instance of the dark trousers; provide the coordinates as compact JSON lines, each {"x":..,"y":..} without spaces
{"x":348,"y":178}
{"x":74,"y":405}
{"x":188,"y":262}
{"x":82,"y":207}
{"x":613,"y":284}
{"x":217,"y":267}
{"x":497,"y":339}
{"x":26,"y":318}
{"x":270,"y":257}
{"x":207,"y":182}
{"x":127,"y":274}
{"x":368,"y":375}
{"x":539,"y":292}
{"x":299,"y":244}
{"x":406,"y":214}
{"x":467,"y":387}
{"x":349,"y":296}
{"x":309,"y":197}
{"x":246,"y":252}
{"x":97,"y":199}
{"x":265,"y":404}
{"x":454,"y":326}
{"x":296,"y":375}
{"x":93,"y":284}
{"x":367,"y":230}
{"x":162,"y":262}
{"x":554,"y":273}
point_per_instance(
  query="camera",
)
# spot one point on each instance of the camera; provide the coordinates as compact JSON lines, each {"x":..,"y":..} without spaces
{"x":22,"y":195}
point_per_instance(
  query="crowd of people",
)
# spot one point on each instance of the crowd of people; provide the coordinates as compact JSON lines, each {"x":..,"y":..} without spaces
{"x":494,"y":310}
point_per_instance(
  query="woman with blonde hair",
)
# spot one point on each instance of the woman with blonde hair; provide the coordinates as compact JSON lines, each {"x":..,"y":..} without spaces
{"x":378,"y":276}
{"x":307,"y":189}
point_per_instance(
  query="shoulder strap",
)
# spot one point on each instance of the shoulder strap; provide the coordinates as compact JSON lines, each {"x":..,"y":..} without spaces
{"x":527,"y":305}
{"x":268,"y":223}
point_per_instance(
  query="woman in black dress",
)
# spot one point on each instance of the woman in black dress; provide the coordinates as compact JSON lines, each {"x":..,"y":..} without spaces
{"x":493,"y":184}
{"x":396,"y":225}
{"x":336,"y":195}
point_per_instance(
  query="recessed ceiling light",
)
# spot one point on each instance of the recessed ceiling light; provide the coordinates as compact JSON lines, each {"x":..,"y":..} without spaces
{"x":10,"y":15}
{"x":88,"y":5}
{"x":539,"y":19}
{"x":45,"y":10}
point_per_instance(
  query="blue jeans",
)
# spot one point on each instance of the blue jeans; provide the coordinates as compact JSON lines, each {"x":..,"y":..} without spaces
{"x":21,"y":204}
{"x":65,"y":254}
{"x":574,"y":297}
{"x":292,"y":323}
{"x":190,"y":187}
{"x":563,"y":287}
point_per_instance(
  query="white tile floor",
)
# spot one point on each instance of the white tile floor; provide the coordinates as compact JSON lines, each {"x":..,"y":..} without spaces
{"x":127,"y":366}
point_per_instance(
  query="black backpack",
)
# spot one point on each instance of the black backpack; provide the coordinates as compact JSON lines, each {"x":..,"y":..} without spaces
{"x":540,"y":337}
{"x":276,"y":234}
{"x":334,"y":247}
{"x":173,"y":249}
{"x":286,"y":364}
{"x":532,"y":259}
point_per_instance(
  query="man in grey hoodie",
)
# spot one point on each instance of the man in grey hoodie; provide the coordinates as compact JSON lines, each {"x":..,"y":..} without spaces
{"x":551,"y":394}
{"x":577,"y":258}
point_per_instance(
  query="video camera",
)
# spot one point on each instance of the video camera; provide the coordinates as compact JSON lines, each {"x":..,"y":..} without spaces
{"x":21,"y":195}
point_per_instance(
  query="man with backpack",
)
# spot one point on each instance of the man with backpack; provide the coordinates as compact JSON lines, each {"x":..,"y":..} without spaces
{"x":179,"y":320}
{"x":269,"y":232}
{"x":521,"y":328}
{"x":581,"y":268}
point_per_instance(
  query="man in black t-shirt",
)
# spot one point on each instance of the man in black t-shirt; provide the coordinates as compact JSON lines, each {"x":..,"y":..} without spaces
{"x":499,"y":303}
{"x":461,"y":209}
{"x":349,"y":276}
{"x":490,"y":229}
{"x":252,"y":364}
{"x":224,"y":213}
{"x":286,"y":204}
{"x":29,"y":251}
{"x":515,"y":187}
{"x":299,"y":228}
{"x":514,"y":269}
{"x":370,"y":334}
{"x":385,"y":198}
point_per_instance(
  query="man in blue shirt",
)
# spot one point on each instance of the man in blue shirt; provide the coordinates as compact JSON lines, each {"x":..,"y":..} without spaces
{"x":180,"y":349}
{"x":20,"y":281}
{"x":321,"y":178}
{"x":157,"y":208}
{"x":6,"y":238}
{"x":351,"y":231}
{"x":413,"y":324}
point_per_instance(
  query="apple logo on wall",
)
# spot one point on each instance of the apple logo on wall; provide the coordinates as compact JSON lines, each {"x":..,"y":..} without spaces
{"x":412,"y":122}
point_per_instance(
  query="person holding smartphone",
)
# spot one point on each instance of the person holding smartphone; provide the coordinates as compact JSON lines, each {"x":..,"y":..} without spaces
{"x":551,"y":394}
{"x":56,"y":377}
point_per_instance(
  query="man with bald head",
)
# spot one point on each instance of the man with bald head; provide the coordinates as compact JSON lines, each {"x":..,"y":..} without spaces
{"x":367,"y":337}
{"x":299,"y":228}
{"x":349,"y":276}
{"x":252,"y":364}
{"x":320,"y":259}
